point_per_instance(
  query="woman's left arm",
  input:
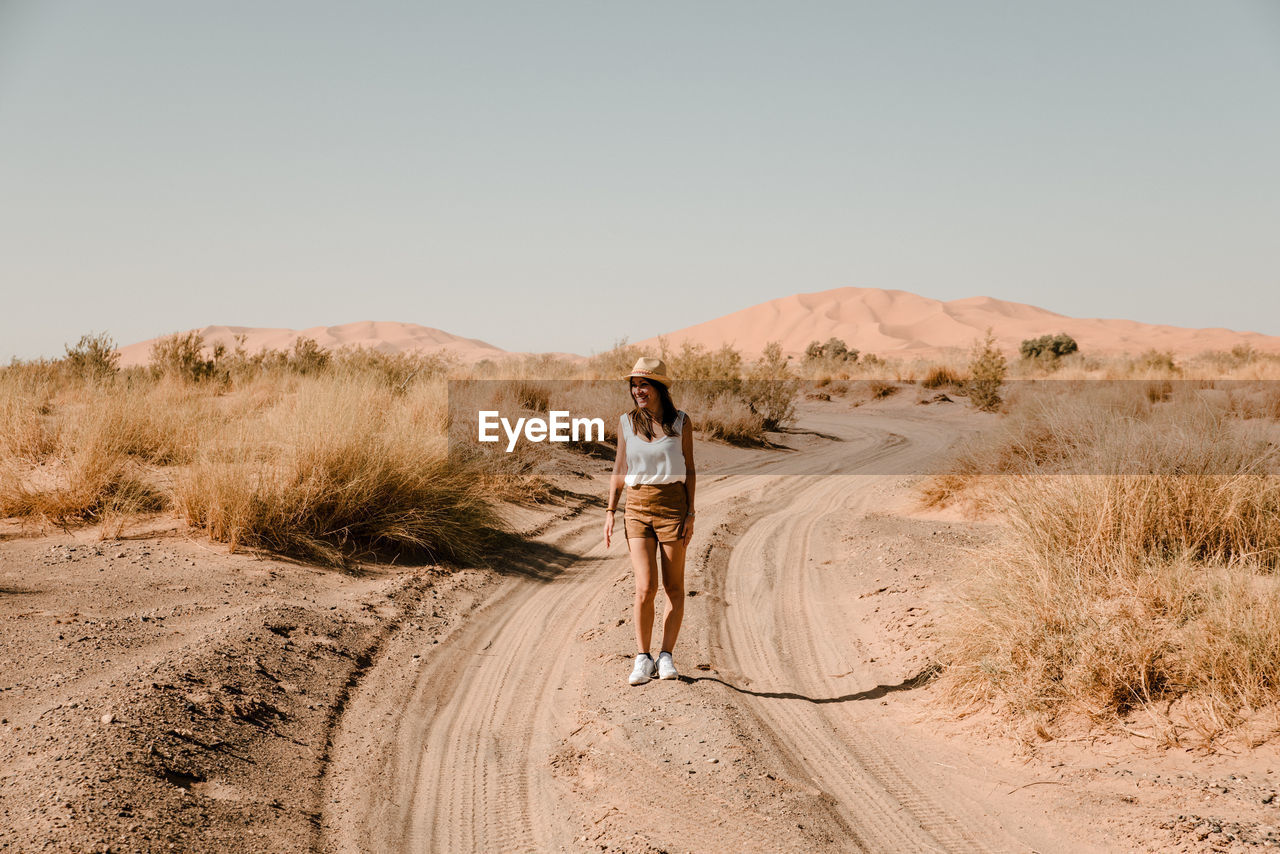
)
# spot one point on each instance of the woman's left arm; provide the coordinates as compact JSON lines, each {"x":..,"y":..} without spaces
{"x":690,"y":476}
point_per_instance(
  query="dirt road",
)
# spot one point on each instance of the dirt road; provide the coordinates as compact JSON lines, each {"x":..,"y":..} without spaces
{"x":518,"y":732}
{"x":160,"y":694}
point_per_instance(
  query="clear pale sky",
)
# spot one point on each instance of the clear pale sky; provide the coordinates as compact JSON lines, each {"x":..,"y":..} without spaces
{"x":558,"y":175}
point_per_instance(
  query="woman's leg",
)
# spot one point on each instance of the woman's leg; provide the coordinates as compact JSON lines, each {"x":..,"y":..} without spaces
{"x":644,"y":561}
{"x":673,"y":586}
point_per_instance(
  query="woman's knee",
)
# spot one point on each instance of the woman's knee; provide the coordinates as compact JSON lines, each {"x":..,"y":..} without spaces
{"x":674,"y":592}
{"x":646,"y":592}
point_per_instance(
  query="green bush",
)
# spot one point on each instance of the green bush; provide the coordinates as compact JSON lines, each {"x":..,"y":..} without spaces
{"x":987,"y":369}
{"x":834,"y":350}
{"x":1049,"y":347}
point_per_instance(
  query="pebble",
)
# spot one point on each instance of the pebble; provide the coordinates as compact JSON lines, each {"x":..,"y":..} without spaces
{"x":108,"y":718}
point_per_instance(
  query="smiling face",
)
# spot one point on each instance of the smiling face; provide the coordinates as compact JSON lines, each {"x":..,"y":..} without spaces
{"x":645,"y":395}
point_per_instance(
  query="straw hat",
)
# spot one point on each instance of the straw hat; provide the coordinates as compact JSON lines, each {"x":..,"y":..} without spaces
{"x":654,"y":370}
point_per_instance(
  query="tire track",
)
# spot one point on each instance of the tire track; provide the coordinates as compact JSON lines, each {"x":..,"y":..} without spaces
{"x":777,"y":632}
{"x":465,"y":764}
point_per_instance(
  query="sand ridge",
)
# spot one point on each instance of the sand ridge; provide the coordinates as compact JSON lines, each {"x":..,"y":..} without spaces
{"x":870,"y":320}
{"x":381,"y":335}
{"x":903,"y":324}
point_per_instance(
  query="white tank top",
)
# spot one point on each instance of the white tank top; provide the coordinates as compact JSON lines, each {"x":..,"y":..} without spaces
{"x":659,"y":461}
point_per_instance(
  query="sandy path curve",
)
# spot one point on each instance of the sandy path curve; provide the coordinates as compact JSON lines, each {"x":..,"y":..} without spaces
{"x":453,"y":754}
{"x":782,"y":632}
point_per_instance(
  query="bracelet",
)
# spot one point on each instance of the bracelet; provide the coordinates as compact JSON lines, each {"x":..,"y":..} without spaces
{"x":689,"y":515}
{"x":611,"y":509}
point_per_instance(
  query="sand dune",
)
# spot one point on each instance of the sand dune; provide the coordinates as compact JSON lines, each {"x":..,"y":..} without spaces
{"x":898,"y":323}
{"x":871,"y":320}
{"x":384,"y":336}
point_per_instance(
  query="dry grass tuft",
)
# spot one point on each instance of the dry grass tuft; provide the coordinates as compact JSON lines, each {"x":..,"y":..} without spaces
{"x":942,"y":376}
{"x":333,"y":474}
{"x":1136,"y":569}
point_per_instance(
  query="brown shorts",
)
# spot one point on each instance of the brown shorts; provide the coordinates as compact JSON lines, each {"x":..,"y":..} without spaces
{"x":656,"y":511}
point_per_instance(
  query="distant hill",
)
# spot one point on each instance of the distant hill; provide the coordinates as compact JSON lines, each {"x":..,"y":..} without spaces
{"x":898,"y":323}
{"x":385,"y":336}
{"x":871,"y":320}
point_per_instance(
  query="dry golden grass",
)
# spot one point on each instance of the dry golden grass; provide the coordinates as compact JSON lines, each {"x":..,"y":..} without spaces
{"x":1136,"y":569}
{"x":324,"y":465}
{"x":943,"y":376}
{"x":83,"y":452}
{"x":327,"y":456}
{"x":333,"y":472}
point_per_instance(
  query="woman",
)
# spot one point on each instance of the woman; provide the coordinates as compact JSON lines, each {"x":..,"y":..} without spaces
{"x":655,"y":460}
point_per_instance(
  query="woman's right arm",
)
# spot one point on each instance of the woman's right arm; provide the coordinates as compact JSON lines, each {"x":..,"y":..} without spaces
{"x":616,"y":483}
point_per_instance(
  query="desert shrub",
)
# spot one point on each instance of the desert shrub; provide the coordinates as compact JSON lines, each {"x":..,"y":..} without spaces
{"x":396,"y":371}
{"x":181,"y":356}
{"x":614,"y":363}
{"x":1229,"y":361}
{"x":93,"y":356}
{"x":26,"y":431}
{"x":1244,"y":354}
{"x":1048,"y":348}
{"x":1136,"y":569}
{"x":94,"y":459}
{"x":724,"y":405}
{"x":1156,"y":361}
{"x":771,"y":388}
{"x":880,"y":389}
{"x":987,"y":368}
{"x":533,"y":396}
{"x":1158,"y":391}
{"x":345,"y":476}
{"x":942,"y":376}
{"x":87,"y":487}
{"x":719,"y":369}
{"x":728,"y":418}
{"x":832,"y":350}
{"x":308,"y":357}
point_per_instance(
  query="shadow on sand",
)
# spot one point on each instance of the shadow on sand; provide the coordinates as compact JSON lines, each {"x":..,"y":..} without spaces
{"x":920,"y":679}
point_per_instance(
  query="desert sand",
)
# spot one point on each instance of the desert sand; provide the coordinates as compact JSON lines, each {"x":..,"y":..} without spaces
{"x":383,"y":336}
{"x":898,"y":323}
{"x":160,"y":694}
{"x":870,"y":320}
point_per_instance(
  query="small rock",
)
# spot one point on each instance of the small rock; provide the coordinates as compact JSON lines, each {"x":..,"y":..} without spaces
{"x":108,"y":718}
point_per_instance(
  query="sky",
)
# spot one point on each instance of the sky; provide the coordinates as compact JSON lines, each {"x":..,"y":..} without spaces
{"x":558,"y":176}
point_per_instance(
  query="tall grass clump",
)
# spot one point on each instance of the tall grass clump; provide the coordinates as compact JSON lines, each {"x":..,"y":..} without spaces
{"x":333,"y":474}
{"x":1136,"y":572}
{"x":942,"y":376}
{"x":94,"y":452}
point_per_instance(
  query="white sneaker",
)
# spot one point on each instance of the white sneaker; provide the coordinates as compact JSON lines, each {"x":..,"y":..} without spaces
{"x":643,"y":671}
{"x":666,"y":667}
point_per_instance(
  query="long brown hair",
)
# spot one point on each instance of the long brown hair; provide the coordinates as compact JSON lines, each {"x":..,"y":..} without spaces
{"x":643,"y":423}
